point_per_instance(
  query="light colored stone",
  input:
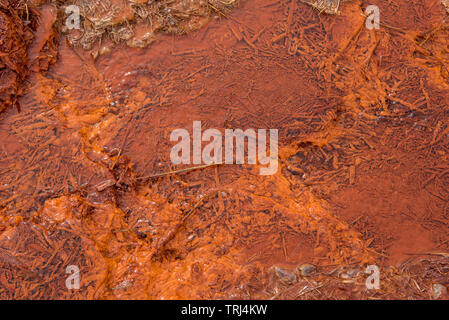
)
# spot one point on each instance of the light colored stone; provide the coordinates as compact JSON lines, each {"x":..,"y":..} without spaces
{"x":438,"y":290}
{"x":307,"y":270}
{"x":285,"y":275}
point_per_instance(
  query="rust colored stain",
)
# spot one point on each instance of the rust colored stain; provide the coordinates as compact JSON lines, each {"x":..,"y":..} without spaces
{"x":363,"y":160}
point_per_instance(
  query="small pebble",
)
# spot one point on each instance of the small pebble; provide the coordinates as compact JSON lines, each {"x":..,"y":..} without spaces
{"x":438,"y":290}
{"x":307,"y":270}
{"x":349,"y":274}
{"x":285,"y":275}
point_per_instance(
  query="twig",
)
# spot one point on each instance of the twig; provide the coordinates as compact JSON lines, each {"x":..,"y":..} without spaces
{"x":172,"y":233}
{"x":157,"y":175}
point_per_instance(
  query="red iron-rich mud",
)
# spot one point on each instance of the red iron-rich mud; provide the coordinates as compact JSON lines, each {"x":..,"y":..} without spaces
{"x":363,"y":150}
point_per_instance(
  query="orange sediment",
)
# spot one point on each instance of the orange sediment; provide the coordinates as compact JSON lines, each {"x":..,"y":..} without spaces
{"x":363,"y":133}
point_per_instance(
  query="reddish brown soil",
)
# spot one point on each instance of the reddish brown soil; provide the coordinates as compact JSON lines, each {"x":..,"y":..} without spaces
{"x":362,"y":117}
{"x":15,"y":36}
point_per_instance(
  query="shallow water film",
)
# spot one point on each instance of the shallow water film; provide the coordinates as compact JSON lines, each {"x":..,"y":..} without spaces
{"x":195,"y":149}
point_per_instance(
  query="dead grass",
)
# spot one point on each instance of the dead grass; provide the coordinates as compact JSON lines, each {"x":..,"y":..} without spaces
{"x":326,"y":6}
{"x":445,"y":4}
{"x":137,"y":23}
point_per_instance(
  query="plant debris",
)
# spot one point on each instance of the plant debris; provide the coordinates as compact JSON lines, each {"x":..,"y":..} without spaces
{"x":137,"y":23}
{"x":16,"y":18}
{"x":86,"y":178}
{"x":326,"y":6}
